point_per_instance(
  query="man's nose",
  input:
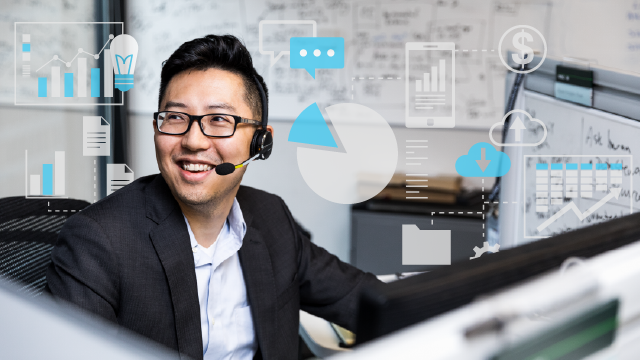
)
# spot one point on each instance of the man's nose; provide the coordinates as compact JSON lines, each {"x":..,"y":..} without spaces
{"x":195,"y":140}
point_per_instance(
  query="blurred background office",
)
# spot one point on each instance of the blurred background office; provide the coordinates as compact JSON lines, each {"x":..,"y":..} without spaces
{"x":599,"y":32}
{"x":46,"y":157}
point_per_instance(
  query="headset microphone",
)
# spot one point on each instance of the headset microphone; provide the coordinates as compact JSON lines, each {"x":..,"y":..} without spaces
{"x":228,"y":168}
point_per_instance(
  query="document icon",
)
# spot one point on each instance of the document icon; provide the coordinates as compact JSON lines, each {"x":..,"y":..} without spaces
{"x":118,"y":176}
{"x":96,"y":136}
{"x":425,"y":247}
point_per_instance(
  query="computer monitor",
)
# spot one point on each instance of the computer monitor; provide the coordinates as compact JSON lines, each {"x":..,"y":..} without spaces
{"x":390,"y":307}
{"x":42,"y":328}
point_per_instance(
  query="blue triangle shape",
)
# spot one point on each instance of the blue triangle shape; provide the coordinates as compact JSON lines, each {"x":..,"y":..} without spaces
{"x":310,"y":128}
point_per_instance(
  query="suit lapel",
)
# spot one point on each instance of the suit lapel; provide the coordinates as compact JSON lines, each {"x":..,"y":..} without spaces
{"x":170,"y":239}
{"x":261,"y":287}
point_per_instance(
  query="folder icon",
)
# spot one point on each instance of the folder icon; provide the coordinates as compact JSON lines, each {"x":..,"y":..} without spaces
{"x":118,"y":176}
{"x":425,"y":247}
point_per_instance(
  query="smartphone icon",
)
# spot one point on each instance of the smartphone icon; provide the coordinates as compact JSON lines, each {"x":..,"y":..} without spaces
{"x":430,"y":85}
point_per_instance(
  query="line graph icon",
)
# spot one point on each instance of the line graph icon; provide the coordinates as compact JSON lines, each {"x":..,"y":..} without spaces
{"x":615,"y":192}
{"x":70,"y":68}
{"x":566,"y":192}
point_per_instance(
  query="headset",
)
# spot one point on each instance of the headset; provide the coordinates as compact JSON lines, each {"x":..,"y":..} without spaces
{"x":262,"y":141}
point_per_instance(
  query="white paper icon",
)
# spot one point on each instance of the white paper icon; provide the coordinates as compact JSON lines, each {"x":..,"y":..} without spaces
{"x":425,"y":247}
{"x":96,"y":136}
{"x":118,"y":176}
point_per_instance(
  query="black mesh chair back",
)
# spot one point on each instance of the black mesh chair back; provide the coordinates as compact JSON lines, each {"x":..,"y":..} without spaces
{"x":28,"y":230}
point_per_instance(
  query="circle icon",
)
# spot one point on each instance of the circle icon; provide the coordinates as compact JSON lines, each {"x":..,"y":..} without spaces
{"x":331,"y":52}
{"x":316,"y":52}
{"x":526,"y":53}
{"x":303,"y":52}
{"x":359,"y":172}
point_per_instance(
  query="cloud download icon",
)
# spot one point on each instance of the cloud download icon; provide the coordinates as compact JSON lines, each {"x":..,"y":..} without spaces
{"x":311,"y":53}
{"x":483,"y":160}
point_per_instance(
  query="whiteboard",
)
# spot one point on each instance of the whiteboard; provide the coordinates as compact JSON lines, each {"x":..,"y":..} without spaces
{"x":605,"y":32}
{"x":577,"y":134}
{"x":375,"y":34}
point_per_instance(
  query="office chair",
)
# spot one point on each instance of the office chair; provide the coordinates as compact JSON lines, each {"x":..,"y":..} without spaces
{"x":28,"y":230}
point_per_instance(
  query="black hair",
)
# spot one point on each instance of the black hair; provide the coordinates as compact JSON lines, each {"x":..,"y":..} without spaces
{"x":224,"y":52}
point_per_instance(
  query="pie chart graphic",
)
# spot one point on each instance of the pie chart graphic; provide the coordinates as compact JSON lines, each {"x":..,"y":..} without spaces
{"x":364,"y":168}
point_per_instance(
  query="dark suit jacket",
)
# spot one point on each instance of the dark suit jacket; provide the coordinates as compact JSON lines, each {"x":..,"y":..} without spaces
{"x":128,"y":259}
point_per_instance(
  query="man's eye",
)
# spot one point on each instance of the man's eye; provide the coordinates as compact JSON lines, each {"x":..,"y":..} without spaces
{"x":222,"y":119}
{"x":175,"y":117}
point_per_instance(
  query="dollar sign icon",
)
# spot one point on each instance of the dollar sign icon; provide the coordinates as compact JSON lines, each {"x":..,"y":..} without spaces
{"x":526,"y":53}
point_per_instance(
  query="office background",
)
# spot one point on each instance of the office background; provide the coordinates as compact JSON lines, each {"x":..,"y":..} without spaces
{"x":599,"y":31}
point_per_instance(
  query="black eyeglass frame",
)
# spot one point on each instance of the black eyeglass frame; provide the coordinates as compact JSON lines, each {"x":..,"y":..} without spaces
{"x":198,"y":118}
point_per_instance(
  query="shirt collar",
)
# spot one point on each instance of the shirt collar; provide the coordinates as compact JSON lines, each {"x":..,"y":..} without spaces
{"x":231,"y":234}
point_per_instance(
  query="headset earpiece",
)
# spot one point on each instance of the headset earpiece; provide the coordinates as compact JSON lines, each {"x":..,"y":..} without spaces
{"x":262,"y":141}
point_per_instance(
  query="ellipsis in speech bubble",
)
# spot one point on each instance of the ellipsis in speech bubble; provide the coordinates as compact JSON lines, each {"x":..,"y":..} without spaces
{"x":311,"y":53}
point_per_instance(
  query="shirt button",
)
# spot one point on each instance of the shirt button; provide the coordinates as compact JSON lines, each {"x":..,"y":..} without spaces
{"x":213,"y":321}
{"x":195,"y":249}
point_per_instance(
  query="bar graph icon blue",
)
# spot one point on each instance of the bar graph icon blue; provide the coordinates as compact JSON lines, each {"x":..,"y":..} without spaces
{"x":95,"y":82}
{"x":65,"y":73}
{"x":47,"y":179}
{"x":50,"y":183}
{"x":68,"y":84}
{"x":42,"y":87}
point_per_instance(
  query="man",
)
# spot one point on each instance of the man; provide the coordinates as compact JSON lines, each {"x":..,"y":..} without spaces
{"x":190,"y":258}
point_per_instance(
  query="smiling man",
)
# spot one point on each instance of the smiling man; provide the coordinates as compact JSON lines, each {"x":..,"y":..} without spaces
{"x":189,"y":257}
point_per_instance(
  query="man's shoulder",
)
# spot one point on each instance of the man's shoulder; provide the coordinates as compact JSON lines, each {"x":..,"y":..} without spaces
{"x":248,"y":193}
{"x":123,"y":202}
{"x":258,"y":201}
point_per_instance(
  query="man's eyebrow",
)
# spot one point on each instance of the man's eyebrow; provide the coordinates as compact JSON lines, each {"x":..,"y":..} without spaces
{"x":224,"y":106}
{"x":174,"y":104}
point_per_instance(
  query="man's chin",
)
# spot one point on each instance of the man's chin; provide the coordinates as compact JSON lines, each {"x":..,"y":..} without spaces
{"x":196,"y":198}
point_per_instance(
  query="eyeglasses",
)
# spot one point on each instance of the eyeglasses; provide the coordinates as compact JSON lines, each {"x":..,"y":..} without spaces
{"x":212,"y":125}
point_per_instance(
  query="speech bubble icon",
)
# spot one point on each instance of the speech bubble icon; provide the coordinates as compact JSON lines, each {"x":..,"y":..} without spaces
{"x":311,"y":53}
{"x":274,"y":35}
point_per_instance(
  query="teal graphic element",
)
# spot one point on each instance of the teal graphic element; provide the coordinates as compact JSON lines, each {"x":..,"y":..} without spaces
{"x":483,"y":160}
{"x":313,"y":53}
{"x":310,"y":128}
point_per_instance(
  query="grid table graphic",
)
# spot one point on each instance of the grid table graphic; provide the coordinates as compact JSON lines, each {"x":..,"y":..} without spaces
{"x":556,"y":185}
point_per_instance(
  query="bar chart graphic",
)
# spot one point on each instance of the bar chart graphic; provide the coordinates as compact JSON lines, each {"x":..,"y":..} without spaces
{"x":569,"y":191}
{"x":433,"y":81}
{"x":49,"y":183}
{"x":61,"y":64}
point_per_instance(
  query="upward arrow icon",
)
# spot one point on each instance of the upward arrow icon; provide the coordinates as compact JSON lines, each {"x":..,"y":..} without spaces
{"x":483,"y":163}
{"x":518,"y":126}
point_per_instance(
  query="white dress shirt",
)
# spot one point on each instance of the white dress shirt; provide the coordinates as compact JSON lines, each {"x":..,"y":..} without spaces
{"x":225,"y":314}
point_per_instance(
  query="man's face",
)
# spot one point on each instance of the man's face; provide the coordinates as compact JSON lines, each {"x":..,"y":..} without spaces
{"x":199,"y":93}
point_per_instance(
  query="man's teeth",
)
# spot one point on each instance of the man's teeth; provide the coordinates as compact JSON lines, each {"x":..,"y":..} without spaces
{"x":197,"y":167}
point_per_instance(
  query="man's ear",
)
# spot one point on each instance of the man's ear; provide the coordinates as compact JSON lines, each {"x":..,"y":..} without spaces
{"x":270,"y":129}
